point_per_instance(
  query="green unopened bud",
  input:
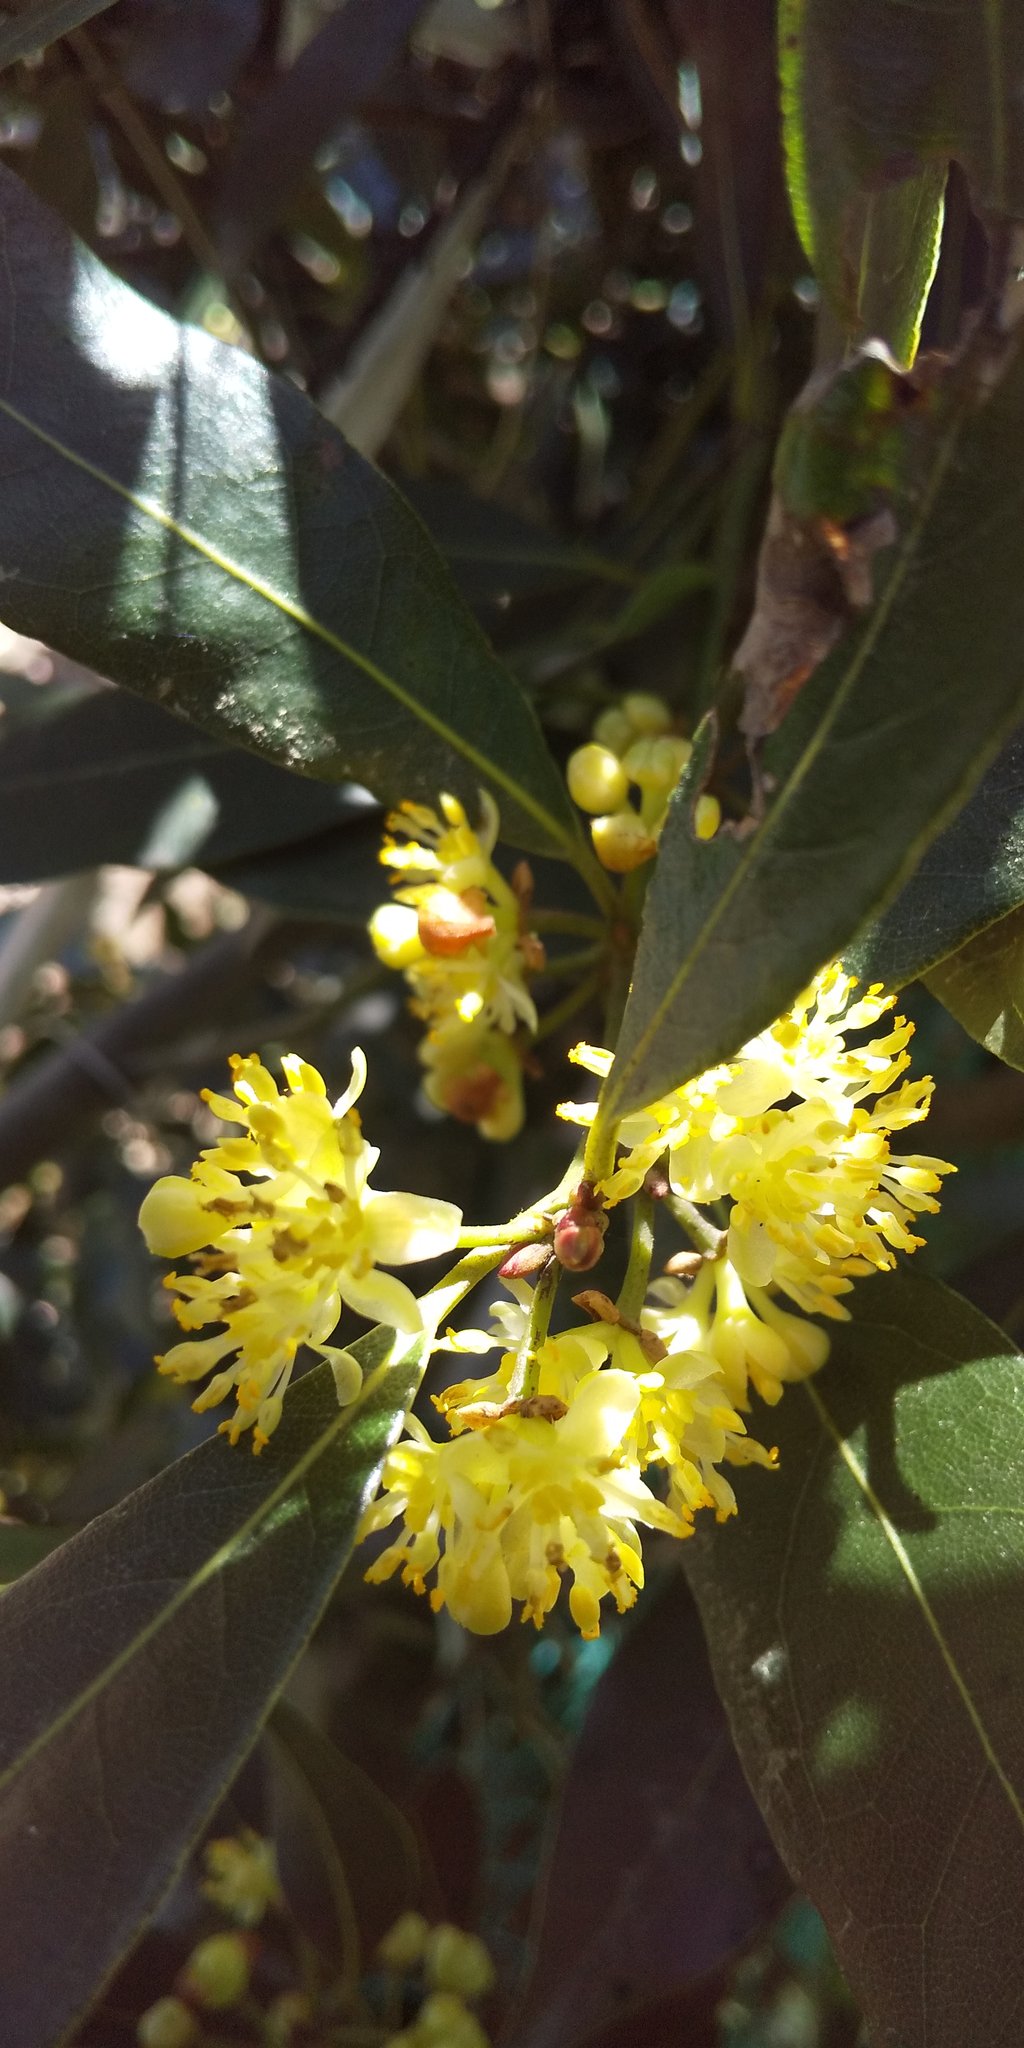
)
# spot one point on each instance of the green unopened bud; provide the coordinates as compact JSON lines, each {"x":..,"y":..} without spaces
{"x":647,"y":714}
{"x":707,"y":816}
{"x":444,"y":2022}
{"x":217,"y":1972}
{"x":455,"y":1961}
{"x":656,"y":764}
{"x":167,"y":2024}
{"x":596,"y":779}
{"x":622,"y":842}
{"x":613,"y":729}
{"x":403,"y":1945}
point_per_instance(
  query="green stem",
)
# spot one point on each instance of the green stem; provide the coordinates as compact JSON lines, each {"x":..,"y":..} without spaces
{"x":641,"y":1249}
{"x":524,"y":1376}
{"x":460,"y":1281}
{"x":522,"y":1229}
{"x":575,"y":1000}
{"x":571,"y":963}
{"x":574,"y":923}
{"x":702,"y":1235}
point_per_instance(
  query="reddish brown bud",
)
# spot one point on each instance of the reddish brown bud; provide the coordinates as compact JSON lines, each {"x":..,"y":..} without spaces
{"x":474,"y":1095}
{"x":532,"y":951}
{"x":594,"y":1303}
{"x":685,"y":1265}
{"x":580,"y":1231}
{"x":524,"y":1259}
{"x":657,"y":1184}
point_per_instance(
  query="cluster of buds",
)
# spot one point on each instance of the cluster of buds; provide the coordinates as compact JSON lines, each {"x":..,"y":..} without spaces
{"x":459,"y":932}
{"x":455,"y":1971}
{"x":633,"y":749}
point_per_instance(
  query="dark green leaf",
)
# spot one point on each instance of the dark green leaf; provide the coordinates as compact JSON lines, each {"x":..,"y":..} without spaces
{"x":375,"y":1846}
{"x":112,"y":778}
{"x":334,"y":875}
{"x":191,"y":526}
{"x":970,"y":877}
{"x":24,"y":1544}
{"x":877,"y":97}
{"x":983,"y":986}
{"x":884,"y":744}
{"x":137,"y":1666}
{"x":35,"y":26}
{"x":659,"y":1871}
{"x":865,"y":1615}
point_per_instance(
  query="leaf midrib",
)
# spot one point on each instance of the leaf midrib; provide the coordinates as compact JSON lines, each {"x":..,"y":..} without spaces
{"x":221,"y":1557}
{"x":150,"y":509}
{"x":761,"y":844}
{"x":906,"y":1565}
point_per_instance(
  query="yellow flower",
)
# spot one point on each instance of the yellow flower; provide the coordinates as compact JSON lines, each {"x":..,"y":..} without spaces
{"x":287,"y":1228}
{"x":501,"y":1512}
{"x":241,"y":1876}
{"x":817,"y":1196}
{"x":457,"y":930}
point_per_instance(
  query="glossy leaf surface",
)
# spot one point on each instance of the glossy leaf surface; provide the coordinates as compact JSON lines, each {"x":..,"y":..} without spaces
{"x":138,"y":1664}
{"x":878,"y":752}
{"x":660,"y":1869}
{"x":983,"y":986}
{"x":865,"y":1615}
{"x":971,"y":876}
{"x":221,"y":549}
{"x":877,"y":97}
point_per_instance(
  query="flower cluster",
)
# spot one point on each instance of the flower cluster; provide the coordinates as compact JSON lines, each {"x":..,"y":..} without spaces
{"x":633,"y":748}
{"x":283,"y":1227}
{"x":459,"y":932}
{"x":455,"y":1970}
{"x":795,"y":1134}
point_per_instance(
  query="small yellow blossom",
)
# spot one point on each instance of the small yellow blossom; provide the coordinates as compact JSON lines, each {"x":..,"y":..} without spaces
{"x":241,"y":1876}
{"x":458,"y":931}
{"x":502,"y":1511}
{"x":633,"y":747}
{"x":286,"y":1228}
{"x":817,"y":1196}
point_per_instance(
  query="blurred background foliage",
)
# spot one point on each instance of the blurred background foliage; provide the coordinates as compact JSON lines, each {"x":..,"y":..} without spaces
{"x":536,"y":257}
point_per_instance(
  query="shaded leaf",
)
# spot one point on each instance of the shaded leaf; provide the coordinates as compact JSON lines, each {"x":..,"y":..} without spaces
{"x":374,"y":1843}
{"x":114,"y":779}
{"x":221,"y":549}
{"x":970,"y":876}
{"x":334,"y":875}
{"x":138,"y":1663}
{"x":24,"y":1544}
{"x":865,"y":1615}
{"x":659,"y":1870}
{"x":983,"y":986}
{"x":39,"y":24}
{"x":882,"y":746}
{"x":877,"y":97}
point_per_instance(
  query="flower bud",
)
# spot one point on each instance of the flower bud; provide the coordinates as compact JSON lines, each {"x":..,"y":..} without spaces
{"x":707,"y":816}
{"x":394,"y":935}
{"x":613,"y":729}
{"x":596,"y":779}
{"x":167,"y":2024}
{"x":656,"y":764}
{"x":524,"y":1259}
{"x":622,"y":842}
{"x":444,"y":2022}
{"x":647,"y":714}
{"x":580,"y":1232}
{"x":217,"y":1972}
{"x":402,"y":1946}
{"x":455,"y":1961}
